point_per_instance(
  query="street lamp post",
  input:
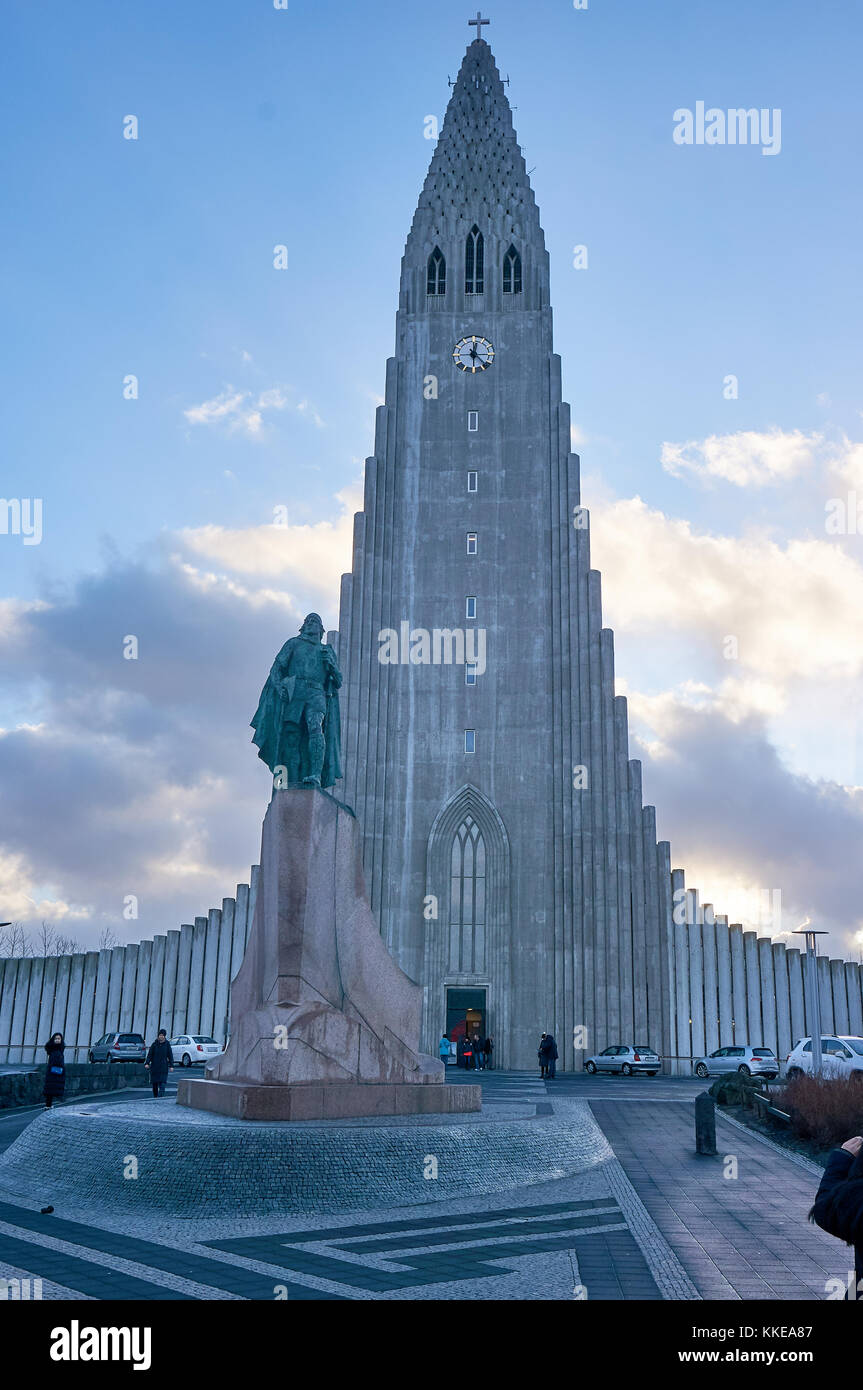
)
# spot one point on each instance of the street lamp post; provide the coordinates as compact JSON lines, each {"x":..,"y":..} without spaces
{"x":814,"y":1009}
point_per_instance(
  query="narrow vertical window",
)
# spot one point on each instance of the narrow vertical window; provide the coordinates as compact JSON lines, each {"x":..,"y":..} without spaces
{"x":470,"y":674}
{"x":512,"y":272}
{"x":470,"y":740}
{"x":473,"y":421}
{"x":436,"y":277}
{"x":471,"y":482}
{"x":471,"y":542}
{"x":474,"y":261}
{"x":470,"y":606}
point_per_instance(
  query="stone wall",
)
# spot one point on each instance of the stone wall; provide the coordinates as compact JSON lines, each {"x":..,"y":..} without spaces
{"x":732,"y":986}
{"x":25,"y":1087}
{"x":179,"y":981}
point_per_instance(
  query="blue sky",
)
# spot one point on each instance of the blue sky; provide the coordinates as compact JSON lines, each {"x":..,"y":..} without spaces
{"x":257,"y":388}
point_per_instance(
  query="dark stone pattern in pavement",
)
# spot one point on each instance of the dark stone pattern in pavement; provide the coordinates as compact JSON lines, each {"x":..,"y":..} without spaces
{"x":186,"y":1264}
{"x":611,"y":1265}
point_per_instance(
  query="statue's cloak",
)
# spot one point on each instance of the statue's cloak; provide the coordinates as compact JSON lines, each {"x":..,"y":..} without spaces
{"x":270,"y":726}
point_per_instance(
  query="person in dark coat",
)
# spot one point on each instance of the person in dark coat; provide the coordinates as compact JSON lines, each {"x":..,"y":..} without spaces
{"x":488,"y":1049}
{"x":548,"y":1054}
{"x":541,"y":1057}
{"x":160,"y":1060}
{"x":55,"y":1070}
{"x":838,"y":1204}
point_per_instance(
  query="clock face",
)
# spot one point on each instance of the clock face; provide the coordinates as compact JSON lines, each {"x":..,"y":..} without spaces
{"x":473,"y":354}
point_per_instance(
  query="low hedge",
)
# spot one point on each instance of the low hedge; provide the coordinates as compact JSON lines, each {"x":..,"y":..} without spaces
{"x":735,"y":1089}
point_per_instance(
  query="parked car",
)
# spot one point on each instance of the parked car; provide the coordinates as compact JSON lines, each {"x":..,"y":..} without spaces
{"x":841,"y":1054}
{"x":625,"y":1059}
{"x":191,"y":1049}
{"x":751,"y":1061}
{"x":118,"y":1047}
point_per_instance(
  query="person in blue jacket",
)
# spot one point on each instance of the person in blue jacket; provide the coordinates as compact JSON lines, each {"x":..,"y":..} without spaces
{"x":838,"y":1204}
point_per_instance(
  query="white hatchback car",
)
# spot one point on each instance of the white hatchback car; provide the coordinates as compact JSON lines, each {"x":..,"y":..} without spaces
{"x":841,"y":1054}
{"x":191,"y":1049}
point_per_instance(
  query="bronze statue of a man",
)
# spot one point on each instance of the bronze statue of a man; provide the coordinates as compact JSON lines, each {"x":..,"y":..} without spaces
{"x":297,"y":724}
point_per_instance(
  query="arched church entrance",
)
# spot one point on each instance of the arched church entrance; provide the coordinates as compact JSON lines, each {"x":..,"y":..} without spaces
{"x":466,"y":971}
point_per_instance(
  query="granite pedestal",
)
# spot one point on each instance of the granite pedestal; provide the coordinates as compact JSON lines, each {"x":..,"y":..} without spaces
{"x":325,"y":1025}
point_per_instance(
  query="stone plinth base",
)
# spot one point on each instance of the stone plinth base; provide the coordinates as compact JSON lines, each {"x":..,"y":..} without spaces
{"x":332,"y":1100}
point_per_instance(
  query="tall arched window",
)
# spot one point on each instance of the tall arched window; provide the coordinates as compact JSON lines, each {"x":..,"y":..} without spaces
{"x":473,"y":263}
{"x":512,"y":272}
{"x":467,"y":894}
{"x":436,"y":279}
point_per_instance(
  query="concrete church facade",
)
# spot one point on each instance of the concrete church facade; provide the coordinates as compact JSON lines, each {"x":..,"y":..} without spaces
{"x":511,"y":862}
{"x":503,"y":799}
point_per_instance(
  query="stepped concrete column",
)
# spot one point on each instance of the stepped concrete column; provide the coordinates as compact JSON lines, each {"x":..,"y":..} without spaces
{"x":855,"y":998}
{"x":738,"y":983}
{"x":711,"y":979}
{"x":19,"y":1010}
{"x":825,"y":994}
{"x":783,"y":1001}
{"x":115,"y":989}
{"x":682,"y":1065}
{"x":223,"y":971}
{"x":29,"y":1051}
{"x":796,"y":995}
{"x":100,"y":1002}
{"x":696,"y":971}
{"x":723,"y":977}
{"x":840,"y":997}
{"x":184,"y":970}
{"x":155,"y":1020}
{"x":754,"y":1024}
{"x":86,"y":1035}
{"x":769,"y":1036}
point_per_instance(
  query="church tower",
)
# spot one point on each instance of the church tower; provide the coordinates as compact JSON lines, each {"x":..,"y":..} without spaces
{"x":509,"y":858}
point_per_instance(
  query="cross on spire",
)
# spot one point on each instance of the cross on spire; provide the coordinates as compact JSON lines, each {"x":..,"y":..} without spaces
{"x":479,"y":22}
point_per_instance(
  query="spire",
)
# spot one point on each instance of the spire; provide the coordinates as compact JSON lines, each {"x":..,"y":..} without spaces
{"x":477,"y":172}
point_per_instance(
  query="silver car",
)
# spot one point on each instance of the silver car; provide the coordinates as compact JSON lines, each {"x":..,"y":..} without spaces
{"x":750,"y":1061}
{"x":625,"y":1059}
{"x":118,"y":1047}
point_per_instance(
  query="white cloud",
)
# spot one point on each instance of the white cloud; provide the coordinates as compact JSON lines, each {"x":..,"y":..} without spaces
{"x":314,"y":556}
{"x":244,"y":411}
{"x":795,"y":608}
{"x":746,"y":459}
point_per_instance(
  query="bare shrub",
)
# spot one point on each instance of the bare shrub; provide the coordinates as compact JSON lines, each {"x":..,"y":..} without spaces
{"x":825,"y":1110}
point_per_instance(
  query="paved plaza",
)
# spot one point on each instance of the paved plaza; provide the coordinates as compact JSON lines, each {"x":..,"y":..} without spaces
{"x":647,"y":1220}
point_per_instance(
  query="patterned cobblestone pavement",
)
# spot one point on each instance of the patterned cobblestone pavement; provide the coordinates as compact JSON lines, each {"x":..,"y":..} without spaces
{"x":648,"y":1222}
{"x":579,"y":1235}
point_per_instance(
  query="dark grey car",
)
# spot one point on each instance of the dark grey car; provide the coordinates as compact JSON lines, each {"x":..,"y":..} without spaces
{"x":118,"y":1047}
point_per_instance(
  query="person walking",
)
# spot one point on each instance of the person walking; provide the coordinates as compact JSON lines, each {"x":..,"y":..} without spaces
{"x":488,"y":1049}
{"x":541,"y":1055}
{"x":478,"y":1053}
{"x":443,"y":1052}
{"x":548,"y":1054}
{"x":55,"y":1070}
{"x":160,"y":1060}
{"x":838,"y":1206}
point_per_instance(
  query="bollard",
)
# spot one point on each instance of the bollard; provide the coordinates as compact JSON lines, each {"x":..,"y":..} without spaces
{"x":705,"y":1125}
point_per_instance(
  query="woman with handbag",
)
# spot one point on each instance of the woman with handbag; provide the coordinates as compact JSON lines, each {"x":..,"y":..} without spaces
{"x":55,"y":1071}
